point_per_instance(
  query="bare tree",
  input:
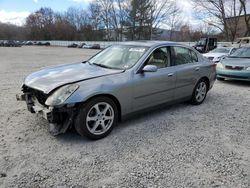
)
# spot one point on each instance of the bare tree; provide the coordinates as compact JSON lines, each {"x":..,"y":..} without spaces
{"x":216,"y":12}
{"x":40,"y":24}
{"x":77,"y":17}
{"x":174,"y":22}
{"x":121,"y":9}
{"x":146,"y":16}
{"x":12,"y":32}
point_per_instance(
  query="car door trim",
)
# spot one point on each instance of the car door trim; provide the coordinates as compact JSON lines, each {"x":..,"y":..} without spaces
{"x":154,"y":93}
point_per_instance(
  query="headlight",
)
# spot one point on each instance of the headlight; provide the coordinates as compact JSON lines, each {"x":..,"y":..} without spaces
{"x":61,"y":95}
{"x":220,"y":66}
{"x":248,"y":68}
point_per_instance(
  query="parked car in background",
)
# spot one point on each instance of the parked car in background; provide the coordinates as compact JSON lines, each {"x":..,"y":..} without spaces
{"x":81,"y":45}
{"x":235,"y":66}
{"x":96,"y":46}
{"x":242,"y":42}
{"x":87,"y":46}
{"x":74,"y":45}
{"x":46,"y":43}
{"x":206,"y":44}
{"x":219,"y":53}
{"x":122,"y":79}
{"x":1,"y":43}
{"x":11,"y":43}
{"x":28,"y":43}
{"x":43,"y":43}
{"x":19,"y":43}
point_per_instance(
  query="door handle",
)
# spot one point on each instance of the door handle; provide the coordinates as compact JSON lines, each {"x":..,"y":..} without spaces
{"x":197,"y":68}
{"x":170,"y":74}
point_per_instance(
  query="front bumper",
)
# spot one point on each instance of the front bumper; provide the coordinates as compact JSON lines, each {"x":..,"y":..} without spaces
{"x":59,"y":118}
{"x":35,"y":107}
{"x":233,"y":74}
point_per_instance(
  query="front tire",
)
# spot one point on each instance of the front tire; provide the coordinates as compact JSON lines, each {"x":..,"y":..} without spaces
{"x":96,"y":118}
{"x":200,"y":92}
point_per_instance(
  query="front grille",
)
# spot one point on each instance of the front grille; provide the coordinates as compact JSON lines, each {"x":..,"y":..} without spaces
{"x":40,"y":96}
{"x":210,"y":58}
{"x":234,"y":67}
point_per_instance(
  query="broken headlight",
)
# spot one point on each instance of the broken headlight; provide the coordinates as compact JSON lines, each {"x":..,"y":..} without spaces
{"x":61,"y":95}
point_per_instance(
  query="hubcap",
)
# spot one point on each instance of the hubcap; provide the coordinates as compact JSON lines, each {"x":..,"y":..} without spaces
{"x":100,"y":118}
{"x":201,"y":91}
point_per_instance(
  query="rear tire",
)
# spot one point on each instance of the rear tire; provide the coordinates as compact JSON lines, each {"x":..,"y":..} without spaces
{"x":200,"y":92}
{"x":96,"y":118}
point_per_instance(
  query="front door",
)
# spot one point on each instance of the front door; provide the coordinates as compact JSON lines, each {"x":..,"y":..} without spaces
{"x":152,"y":88}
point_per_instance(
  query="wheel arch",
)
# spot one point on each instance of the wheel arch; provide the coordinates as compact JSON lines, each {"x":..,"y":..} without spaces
{"x":112,"y":97}
{"x":202,"y":78}
{"x":207,"y":81}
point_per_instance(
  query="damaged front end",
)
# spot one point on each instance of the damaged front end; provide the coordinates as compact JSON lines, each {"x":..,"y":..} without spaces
{"x":60,"y":117}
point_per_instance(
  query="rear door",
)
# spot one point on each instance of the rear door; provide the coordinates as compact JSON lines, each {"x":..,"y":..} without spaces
{"x":187,"y":68}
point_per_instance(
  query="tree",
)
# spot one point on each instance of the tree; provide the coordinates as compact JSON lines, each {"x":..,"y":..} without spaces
{"x":12,"y":32}
{"x":146,"y":16}
{"x":216,"y":12}
{"x":63,"y":30}
{"x":235,"y":12}
{"x":174,"y":22}
{"x":95,"y":20}
{"x":40,"y":24}
{"x":121,"y":14}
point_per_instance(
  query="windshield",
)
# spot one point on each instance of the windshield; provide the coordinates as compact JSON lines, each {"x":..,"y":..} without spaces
{"x":241,"y":53}
{"x":118,"y":57}
{"x":221,"y":50}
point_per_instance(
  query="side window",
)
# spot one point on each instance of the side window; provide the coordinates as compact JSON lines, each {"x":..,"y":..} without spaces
{"x":160,"y":58}
{"x":246,"y":41}
{"x":181,"y":55}
{"x":194,"y":56}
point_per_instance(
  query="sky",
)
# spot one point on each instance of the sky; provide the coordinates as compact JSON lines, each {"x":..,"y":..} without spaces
{"x":15,"y":11}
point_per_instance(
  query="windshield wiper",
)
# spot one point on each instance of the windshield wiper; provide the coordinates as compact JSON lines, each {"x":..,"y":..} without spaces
{"x":101,"y":65}
{"x":86,"y":62}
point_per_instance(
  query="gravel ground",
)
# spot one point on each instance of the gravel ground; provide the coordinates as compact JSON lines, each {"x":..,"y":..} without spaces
{"x":178,"y":146}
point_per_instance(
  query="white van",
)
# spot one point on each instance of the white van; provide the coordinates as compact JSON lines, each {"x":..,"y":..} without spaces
{"x":242,"y":42}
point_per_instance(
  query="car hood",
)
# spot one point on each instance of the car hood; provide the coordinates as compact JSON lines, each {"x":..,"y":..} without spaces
{"x":214,"y":55}
{"x":50,"y":78}
{"x":244,"y":62}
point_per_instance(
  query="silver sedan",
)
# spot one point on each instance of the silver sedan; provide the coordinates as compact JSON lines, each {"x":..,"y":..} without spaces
{"x":120,"y":80}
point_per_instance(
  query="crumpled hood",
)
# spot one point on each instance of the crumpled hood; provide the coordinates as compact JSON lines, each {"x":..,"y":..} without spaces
{"x":244,"y":62}
{"x":52,"y":77}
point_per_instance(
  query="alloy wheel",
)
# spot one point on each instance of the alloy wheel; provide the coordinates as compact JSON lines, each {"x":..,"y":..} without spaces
{"x":100,"y":118}
{"x":201,"y":91}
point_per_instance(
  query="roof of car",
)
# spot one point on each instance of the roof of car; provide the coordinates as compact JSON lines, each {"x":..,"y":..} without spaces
{"x":147,"y":43}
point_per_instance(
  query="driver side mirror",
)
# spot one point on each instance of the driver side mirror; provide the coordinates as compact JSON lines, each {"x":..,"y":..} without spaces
{"x":149,"y":68}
